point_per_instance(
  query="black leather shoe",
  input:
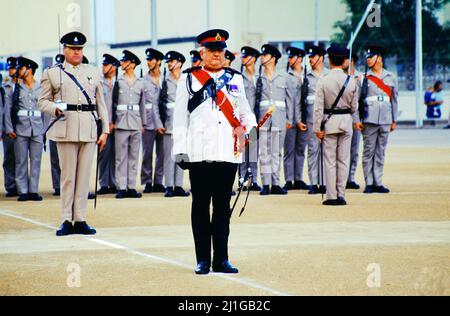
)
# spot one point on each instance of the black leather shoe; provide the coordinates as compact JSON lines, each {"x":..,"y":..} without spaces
{"x":323,"y":189}
{"x":91,"y":196}
{"x":255,"y":187}
{"x":113,"y":190}
{"x":169,"y":192}
{"x":331,"y":202}
{"x":159,"y":188}
{"x":224,"y":267}
{"x":381,"y":189}
{"x":265,"y":190}
{"x":132,"y":193}
{"x":202,"y":268}
{"x":11,"y":193}
{"x":300,"y":185}
{"x":34,"y":197}
{"x":148,"y":188}
{"x":314,"y":189}
{"x":179,"y":191}
{"x":103,"y":191}
{"x":121,"y":194}
{"x":368,"y":189}
{"x":288,"y":186}
{"x":341,"y":201}
{"x":82,"y":228}
{"x":65,"y":229}
{"x":277,"y":190}
{"x":352,"y":185}
{"x":22,"y":198}
{"x":57,"y":192}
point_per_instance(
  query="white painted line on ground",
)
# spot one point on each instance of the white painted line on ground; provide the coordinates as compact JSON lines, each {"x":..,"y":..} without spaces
{"x":243,"y":281}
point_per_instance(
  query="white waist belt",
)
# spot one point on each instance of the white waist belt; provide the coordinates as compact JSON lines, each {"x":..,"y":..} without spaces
{"x":32,"y":113}
{"x":149,"y":106}
{"x":125,"y":107}
{"x":378,"y":98}
{"x":279,"y":104}
{"x":170,"y":105}
{"x":311,"y":98}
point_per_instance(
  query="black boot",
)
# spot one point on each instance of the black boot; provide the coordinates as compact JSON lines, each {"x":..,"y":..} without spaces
{"x":179,"y":191}
{"x":57,"y":192}
{"x":91,"y":196}
{"x":34,"y":197}
{"x":381,"y":189}
{"x":169,"y":192}
{"x":202,"y":268}
{"x":148,"y":188}
{"x":132,"y":193}
{"x":255,"y":187}
{"x":288,"y":186}
{"x":159,"y":188}
{"x":103,"y":191}
{"x":82,"y":228}
{"x":11,"y":193}
{"x":65,"y":229}
{"x":225,"y":267}
{"x":277,"y":190}
{"x":352,"y":185}
{"x":300,"y":185}
{"x":121,"y":194}
{"x":22,"y":197}
{"x":314,"y":189}
{"x":265,"y":190}
{"x":331,"y":202}
{"x":368,"y":189}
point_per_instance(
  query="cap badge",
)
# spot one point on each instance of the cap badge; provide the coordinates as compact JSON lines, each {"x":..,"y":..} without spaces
{"x":218,"y":37}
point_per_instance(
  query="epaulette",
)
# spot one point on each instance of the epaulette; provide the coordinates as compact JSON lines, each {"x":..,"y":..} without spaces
{"x":233,"y":71}
{"x":192,"y":69}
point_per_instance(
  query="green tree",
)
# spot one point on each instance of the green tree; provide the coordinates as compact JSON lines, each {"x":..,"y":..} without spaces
{"x":397,"y":31}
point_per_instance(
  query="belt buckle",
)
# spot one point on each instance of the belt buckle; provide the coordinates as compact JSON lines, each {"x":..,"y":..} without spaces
{"x":30,"y":113}
{"x":129,"y":107}
{"x":79,"y":108}
{"x":380,"y":98}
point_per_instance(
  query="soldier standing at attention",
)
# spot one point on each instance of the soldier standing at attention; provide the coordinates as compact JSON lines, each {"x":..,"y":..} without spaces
{"x":275,"y":93}
{"x":25,"y":124}
{"x":349,"y":68}
{"x":107,"y":160}
{"x":129,"y":118}
{"x":73,"y":93}
{"x":211,"y":118}
{"x":296,"y":139}
{"x":249,"y":57}
{"x":173,"y":174}
{"x":9,"y":162}
{"x":316,"y":59}
{"x":153,"y":129}
{"x":336,"y":100}
{"x":378,"y":117}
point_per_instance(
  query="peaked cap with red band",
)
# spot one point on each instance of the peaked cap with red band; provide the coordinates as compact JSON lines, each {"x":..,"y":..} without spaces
{"x":215,"y":39}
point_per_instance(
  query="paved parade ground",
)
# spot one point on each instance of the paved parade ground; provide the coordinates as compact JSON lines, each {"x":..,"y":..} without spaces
{"x":394,"y":244}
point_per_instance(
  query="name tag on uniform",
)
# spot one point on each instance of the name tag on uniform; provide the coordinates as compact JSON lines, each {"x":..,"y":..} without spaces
{"x":233,"y":89}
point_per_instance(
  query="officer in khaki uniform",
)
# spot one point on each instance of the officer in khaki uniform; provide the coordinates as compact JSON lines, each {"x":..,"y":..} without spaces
{"x":75,"y":130}
{"x":129,"y":119}
{"x":25,"y":124}
{"x":173,"y":174}
{"x":275,"y":93}
{"x":338,"y":123}
{"x":379,"y":118}
{"x":9,"y":164}
{"x":316,"y":59}
{"x":153,"y":129}
{"x":296,"y":139}
{"x":107,"y":158}
{"x":249,"y":57}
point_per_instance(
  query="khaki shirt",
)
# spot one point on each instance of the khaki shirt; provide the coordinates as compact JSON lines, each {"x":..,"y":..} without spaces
{"x":327,"y":90}
{"x":74,"y":126}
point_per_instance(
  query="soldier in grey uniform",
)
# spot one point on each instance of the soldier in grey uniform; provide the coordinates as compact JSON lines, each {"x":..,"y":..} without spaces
{"x":349,"y":68}
{"x":73,"y":93}
{"x":336,"y":101}
{"x":107,"y":160}
{"x":316,"y":59}
{"x":275,"y":93}
{"x":9,"y":164}
{"x":153,"y":129}
{"x":25,"y":124}
{"x":296,"y":140}
{"x":129,"y":118}
{"x":249,"y":57}
{"x":379,"y":118}
{"x":173,"y":174}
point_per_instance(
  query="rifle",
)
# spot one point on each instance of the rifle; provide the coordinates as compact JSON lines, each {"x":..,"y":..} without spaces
{"x":258,"y":94}
{"x":163,"y":97}
{"x":363,"y":96}
{"x":15,"y":101}
{"x":304,"y":96}
{"x":2,"y":90}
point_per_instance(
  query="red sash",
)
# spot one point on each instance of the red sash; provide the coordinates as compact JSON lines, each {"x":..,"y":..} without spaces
{"x":380,"y":84}
{"x":223,"y":103}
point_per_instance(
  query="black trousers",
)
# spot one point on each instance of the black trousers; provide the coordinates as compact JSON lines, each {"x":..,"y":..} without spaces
{"x":211,"y":181}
